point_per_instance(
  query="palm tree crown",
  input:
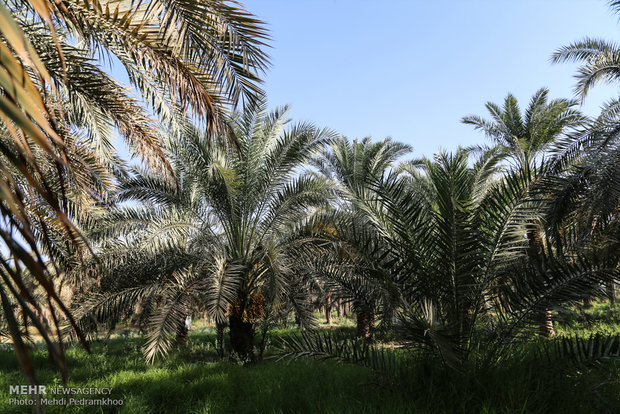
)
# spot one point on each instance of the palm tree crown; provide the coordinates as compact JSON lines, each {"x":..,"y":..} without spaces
{"x":521,"y":137}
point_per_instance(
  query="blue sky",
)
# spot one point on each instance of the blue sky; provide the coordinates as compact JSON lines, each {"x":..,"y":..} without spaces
{"x":412,"y":69}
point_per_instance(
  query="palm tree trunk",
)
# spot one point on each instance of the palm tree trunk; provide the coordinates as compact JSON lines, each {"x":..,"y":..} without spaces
{"x":611,"y":291}
{"x":546,"y":324}
{"x":183,"y":332}
{"x":365,"y":319}
{"x":241,"y":337}
{"x":219,"y":337}
{"x":328,"y":310}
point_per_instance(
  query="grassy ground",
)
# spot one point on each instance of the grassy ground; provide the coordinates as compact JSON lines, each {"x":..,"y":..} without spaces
{"x":192,"y":380}
{"x":599,"y":317}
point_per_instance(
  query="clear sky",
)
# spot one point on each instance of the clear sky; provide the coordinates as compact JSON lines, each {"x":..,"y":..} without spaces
{"x":412,"y":69}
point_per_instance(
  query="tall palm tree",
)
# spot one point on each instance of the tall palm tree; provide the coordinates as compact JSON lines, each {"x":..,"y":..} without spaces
{"x":29,"y":130}
{"x":521,"y":138}
{"x":600,"y":59}
{"x":599,"y":62}
{"x":221,"y":238}
{"x":201,"y":57}
{"x":585,"y":185}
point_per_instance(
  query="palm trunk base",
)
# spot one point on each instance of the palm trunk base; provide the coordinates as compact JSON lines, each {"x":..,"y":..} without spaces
{"x":611,"y":292}
{"x":219,"y":337}
{"x":364,"y":323}
{"x":241,"y":338}
{"x":328,"y":311}
{"x":546,"y":325}
{"x":182,"y":336}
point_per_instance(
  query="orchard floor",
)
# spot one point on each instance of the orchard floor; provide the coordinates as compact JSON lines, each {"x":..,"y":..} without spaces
{"x":194,"y":380}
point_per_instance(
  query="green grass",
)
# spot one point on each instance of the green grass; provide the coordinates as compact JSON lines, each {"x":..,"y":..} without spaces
{"x":193,"y":380}
{"x":600,"y":317}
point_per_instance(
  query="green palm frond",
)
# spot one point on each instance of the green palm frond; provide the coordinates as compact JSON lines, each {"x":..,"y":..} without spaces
{"x":175,"y":305}
{"x":109,"y":308}
{"x":58,"y":169}
{"x":96,"y":101}
{"x":599,"y":62}
{"x":583,"y":350}
{"x":32,"y":140}
{"x":223,"y":284}
{"x":206,"y":53}
{"x":327,"y":345}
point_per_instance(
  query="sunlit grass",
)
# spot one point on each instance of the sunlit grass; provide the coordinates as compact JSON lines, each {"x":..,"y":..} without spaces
{"x":195,"y":380}
{"x":600,"y":317}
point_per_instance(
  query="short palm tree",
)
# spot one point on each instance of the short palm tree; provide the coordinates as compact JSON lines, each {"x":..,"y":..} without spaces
{"x":448,"y":242}
{"x":221,"y":239}
{"x":353,"y":168}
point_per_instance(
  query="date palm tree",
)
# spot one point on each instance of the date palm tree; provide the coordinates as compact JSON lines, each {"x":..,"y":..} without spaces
{"x":59,"y":108}
{"x":521,"y":138}
{"x":594,"y":154}
{"x":352,"y":168}
{"x":448,"y":241}
{"x":222,"y":238}
{"x":599,"y":59}
{"x":585,"y":185}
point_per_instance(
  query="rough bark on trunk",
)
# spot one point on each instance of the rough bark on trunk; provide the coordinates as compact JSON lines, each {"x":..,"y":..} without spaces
{"x":219,"y":337}
{"x":339,"y":308}
{"x":328,"y":310}
{"x":611,"y":291}
{"x":182,"y":334}
{"x":546,"y":324}
{"x":241,"y":337}
{"x":365,"y":319}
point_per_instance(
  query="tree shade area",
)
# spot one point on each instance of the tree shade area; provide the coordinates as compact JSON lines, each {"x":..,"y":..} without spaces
{"x":245,"y":262}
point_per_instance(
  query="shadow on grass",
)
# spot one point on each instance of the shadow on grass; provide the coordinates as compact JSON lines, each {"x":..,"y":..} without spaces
{"x":190,"y":381}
